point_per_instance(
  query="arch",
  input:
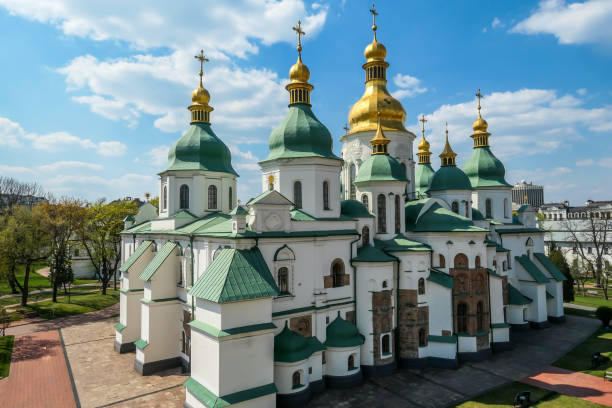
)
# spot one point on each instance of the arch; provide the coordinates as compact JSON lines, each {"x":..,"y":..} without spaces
{"x":283,"y":280}
{"x":479,"y":284}
{"x":480,"y":321}
{"x":351,"y":362}
{"x":165,"y":198}
{"x":382,"y":213}
{"x":421,"y":286}
{"x":352,"y":173}
{"x":337,"y":271}
{"x":230,"y":196}
{"x":364,"y":200}
{"x":385,"y":284}
{"x":488,"y":208}
{"x":326,"y":195}
{"x":455,"y":207}
{"x":422,"y":337}
{"x":461,"y":261}
{"x":398,"y":219}
{"x":365,"y":235}
{"x":462,"y":317}
{"x":442,"y":261}
{"x":297,"y":194}
{"x":184,"y":197}
{"x":477,"y":261}
{"x":284,"y":253}
{"x":529,"y":242}
{"x":505,"y":208}
{"x":385,"y":344}
{"x":296,"y":379}
{"x":212,"y":197}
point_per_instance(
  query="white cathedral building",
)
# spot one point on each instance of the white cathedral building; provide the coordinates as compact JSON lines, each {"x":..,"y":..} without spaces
{"x":340,"y":268}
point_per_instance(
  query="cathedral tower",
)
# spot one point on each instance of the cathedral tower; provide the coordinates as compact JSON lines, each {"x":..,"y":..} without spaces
{"x":424,"y":172}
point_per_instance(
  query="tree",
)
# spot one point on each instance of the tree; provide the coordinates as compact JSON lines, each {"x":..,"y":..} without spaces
{"x":155,"y":202}
{"x":5,"y":321}
{"x":556,"y":257}
{"x":579,"y":273}
{"x":14,"y":192}
{"x":100,"y":236}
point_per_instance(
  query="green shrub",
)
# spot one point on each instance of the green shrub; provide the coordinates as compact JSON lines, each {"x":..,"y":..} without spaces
{"x":604,"y":314}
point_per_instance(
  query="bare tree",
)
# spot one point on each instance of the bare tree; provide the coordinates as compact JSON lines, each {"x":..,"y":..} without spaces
{"x":579,"y":273}
{"x":14,"y":192}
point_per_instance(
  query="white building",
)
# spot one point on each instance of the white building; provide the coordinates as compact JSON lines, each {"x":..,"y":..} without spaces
{"x":298,"y":290}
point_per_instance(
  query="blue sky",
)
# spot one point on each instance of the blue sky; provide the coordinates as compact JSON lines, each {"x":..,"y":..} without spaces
{"x":94,"y":93}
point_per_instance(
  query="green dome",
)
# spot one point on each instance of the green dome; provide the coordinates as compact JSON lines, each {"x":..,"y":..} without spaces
{"x":290,"y":346}
{"x":200,"y":149}
{"x":422,"y":178}
{"x":449,"y":178}
{"x":341,"y":333}
{"x":354,"y":209}
{"x":484,"y":169}
{"x":300,"y":134}
{"x":380,"y":167}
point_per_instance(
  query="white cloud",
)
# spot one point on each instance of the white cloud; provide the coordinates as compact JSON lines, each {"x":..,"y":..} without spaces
{"x":158,"y":156}
{"x":605,"y":162}
{"x":497,"y":23}
{"x":581,"y":91}
{"x":15,"y":171}
{"x":585,"y":162}
{"x":63,"y":165}
{"x":112,"y":148}
{"x":95,"y":186}
{"x":573,"y":23}
{"x":10,"y":133}
{"x":409,"y":86}
{"x":57,"y":141}
{"x":109,"y":108}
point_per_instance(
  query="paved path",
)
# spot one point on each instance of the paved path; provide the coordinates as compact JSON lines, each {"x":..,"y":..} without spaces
{"x":32,"y":293}
{"x":38,"y":376}
{"x":574,"y":306}
{"x":584,"y":386}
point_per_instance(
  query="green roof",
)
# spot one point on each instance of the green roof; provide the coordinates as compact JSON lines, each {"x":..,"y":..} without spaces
{"x":438,"y":218}
{"x":290,"y":346}
{"x":413,"y":208}
{"x":300,"y":134}
{"x":137,"y":253}
{"x":549,"y":295}
{"x":492,"y":273}
{"x":341,"y":333}
{"x":531,"y":269}
{"x":401,"y":243}
{"x":380,"y":167}
{"x":235,"y":274}
{"x":515,"y":297}
{"x":354,"y":209}
{"x":267,"y":193}
{"x":440,"y":278}
{"x":484,"y":169}
{"x":523,"y":208}
{"x":499,"y":248}
{"x":157,"y":260}
{"x":239,"y":210}
{"x":477,"y":215}
{"x":442,"y":339}
{"x":211,"y":400}
{"x":129,"y":218}
{"x":422,"y":178}
{"x":301,"y":215}
{"x":550,"y":267}
{"x":369,"y":253}
{"x":449,"y":178}
{"x":518,"y":230}
{"x":200,"y":149}
{"x":490,"y":243}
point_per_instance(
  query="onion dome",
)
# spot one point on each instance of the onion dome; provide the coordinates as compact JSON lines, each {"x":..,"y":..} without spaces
{"x":354,"y":209}
{"x":376,"y":98}
{"x":422,"y":178}
{"x":341,"y":333}
{"x":423,"y":154}
{"x":449,"y":176}
{"x":290,"y":346}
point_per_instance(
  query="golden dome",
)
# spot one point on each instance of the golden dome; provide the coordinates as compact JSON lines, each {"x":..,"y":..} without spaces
{"x":299,"y":72}
{"x":200,"y":96}
{"x":376,"y":98}
{"x":375,"y":51}
{"x":480,"y":125}
{"x":423,"y":145}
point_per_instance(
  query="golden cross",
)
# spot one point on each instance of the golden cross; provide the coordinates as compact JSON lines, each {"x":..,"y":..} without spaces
{"x":423,"y":120}
{"x":202,"y":60}
{"x":346,"y":128}
{"x":374,"y":14}
{"x":446,"y":130}
{"x":479,"y":95}
{"x":300,"y":33}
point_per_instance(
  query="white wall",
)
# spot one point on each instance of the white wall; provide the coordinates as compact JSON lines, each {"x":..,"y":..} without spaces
{"x":497,"y":196}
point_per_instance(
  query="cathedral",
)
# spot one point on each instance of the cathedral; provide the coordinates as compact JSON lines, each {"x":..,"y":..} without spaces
{"x":343,"y":267}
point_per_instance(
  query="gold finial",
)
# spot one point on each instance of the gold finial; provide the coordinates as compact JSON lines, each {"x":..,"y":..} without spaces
{"x":447,"y":155}
{"x":202,"y":60}
{"x":446,"y":131}
{"x":480,"y":135}
{"x":423,"y":145}
{"x":346,"y":128}
{"x":479,"y":95}
{"x":423,"y":120}
{"x":300,"y":33}
{"x":374,"y":14}
{"x":379,"y":142}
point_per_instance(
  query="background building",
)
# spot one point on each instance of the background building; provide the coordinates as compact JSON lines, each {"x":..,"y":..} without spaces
{"x":534,"y":194}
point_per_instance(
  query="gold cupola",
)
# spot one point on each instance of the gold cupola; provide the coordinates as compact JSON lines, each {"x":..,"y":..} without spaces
{"x":299,"y":74}
{"x":376,"y":98}
{"x":424,"y":154}
{"x":448,"y":155}
{"x":200,"y":110}
{"x":480,"y":135}
{"x":379,"y":142}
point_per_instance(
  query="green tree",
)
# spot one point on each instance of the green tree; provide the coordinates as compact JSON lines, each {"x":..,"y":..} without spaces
{"x":558,"y":259}
{"x":100,"y":236}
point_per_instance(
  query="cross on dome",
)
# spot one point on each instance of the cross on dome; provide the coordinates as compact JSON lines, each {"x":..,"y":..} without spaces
{"x":300,"y":33}
{"x":479,"y":95}
{"x":374,"y":14}
{"x":202,"y":60}
{"x":423,"y":120}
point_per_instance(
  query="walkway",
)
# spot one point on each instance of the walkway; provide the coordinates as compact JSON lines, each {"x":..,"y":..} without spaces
{"x":38,"y":376}
{"x":584,"y":386}
{"x":580,"y":307}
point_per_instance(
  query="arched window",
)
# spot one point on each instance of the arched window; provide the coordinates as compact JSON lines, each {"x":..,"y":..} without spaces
{"x":462,"y":318}
{"x":365,"y":235}
{"x":338,"y":273}
{"x":212,"y":197}
{"x":385,"y":284}
{"x":405,"y":174}
{"x":480,"y":321}
{"x":488,"y":209}
{"x":325,"y":195}
{"x":352,"y":181}
{"x":455,"y":207}
{"x":230,"y":196}
{"x":297,"y":194}
{"x":421,"y":286}
{"x":184,"y":197}
{"x":504,"y":265}
{"x":461,"y":261}
{"x":398,"y":218}
{"x":477,"y":261}
{"x":364,"y":200}
{"x":179,"y":281}
{"x":442,"y":261}
{"x":505,"y":208}
{"x":422,"y":337}
{"x":382,"y":213}
{"x":386,"y":344}
{"x":283,"y":280}
{"x":296,"y":379}
{"x":351,"y":362}
{"x":165,"y":198}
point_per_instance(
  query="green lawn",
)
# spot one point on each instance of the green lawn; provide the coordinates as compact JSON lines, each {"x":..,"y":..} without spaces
{"x":591,"y":301}
{"x":78,"y":304}
{"x":36,"y":281}
{"x":579,"y":359}
{"x":504,"y":397}
{"x":6,"y":348}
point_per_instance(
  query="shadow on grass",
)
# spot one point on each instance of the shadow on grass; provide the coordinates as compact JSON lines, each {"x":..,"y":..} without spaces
{"x":579,"y":358}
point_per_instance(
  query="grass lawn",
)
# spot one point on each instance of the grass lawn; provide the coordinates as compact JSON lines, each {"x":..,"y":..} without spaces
{"x":78,"y":304}
{"x":579,"y":359}
{"x":36,"y":281}
{"x":591,"y":301}
{"x":6,"y":348}
{"x":504,"y":397}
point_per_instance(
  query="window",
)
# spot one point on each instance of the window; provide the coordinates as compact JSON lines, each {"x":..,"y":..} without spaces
{"x":461,"y":261}
{"x":467,"y":209}
{"x":504,"y":266}
{"x":488,"y":209}
{"x":364,"y":200}
{"x":589,"y":250}
{"x":462,"y":316}
{"x":398,"y":218}
{"x":442,"y":261}
{"x":338,"y":273}
{"x":351,"y":362}
{"x":480,"y":323}
{"x":386,"y":344}
{"x":455,"y":207}
{"x":382,"y":213}
{"x":365,"y":235}
{"x":297,"y":194}
{"x":165,"y":198}
{"x":325,"y":195}
{"x":421,"y":286}
{"x":212,"y":197}
{"x":230,"y":196}
{"x":179,"y":281}
{"x":183,"y":342}
{"x":271,"y":185}
{"x":494,"y":264}
{"x":385,"y":284}
{"x":184,"y":196}
{"x":422,"y":337}
{"x":352,"y":182}
{"x":508,"y":259}
{"x":505,"y":208}
{"x":283,"y":280}
{"x":296,"y":379}
{"x":477,"y":261}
